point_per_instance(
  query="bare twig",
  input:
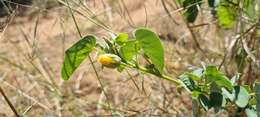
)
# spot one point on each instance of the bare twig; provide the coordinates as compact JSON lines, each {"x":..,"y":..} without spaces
{"x":9,"y":102}
{"x":90,"y":59}
{"x":168,"y":12}
{"x":132,"y":79}
{"x":28,"y":109}
{"x":27,"y":96}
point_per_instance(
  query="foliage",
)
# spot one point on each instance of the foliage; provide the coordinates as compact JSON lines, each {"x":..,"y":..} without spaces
{"x":152,"y":47}
{"x":208,"y":86}
{"x":214,"y":90}
{"x":76,"y":54}
{"x":227,"y":12}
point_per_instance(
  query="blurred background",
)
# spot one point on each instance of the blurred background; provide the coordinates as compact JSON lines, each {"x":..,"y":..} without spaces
{"x":34,"y":35}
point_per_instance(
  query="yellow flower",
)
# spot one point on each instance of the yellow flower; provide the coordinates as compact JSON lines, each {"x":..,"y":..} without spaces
{"x":109,"y":60}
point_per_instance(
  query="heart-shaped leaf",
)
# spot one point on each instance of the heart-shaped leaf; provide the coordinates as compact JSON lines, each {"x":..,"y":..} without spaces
{"x":129,"y":49}
{"x":241,"y":96}
{"x":152,"y":47}
{"x":76,"y":54}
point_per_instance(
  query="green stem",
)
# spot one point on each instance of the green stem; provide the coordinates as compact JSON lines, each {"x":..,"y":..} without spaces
{"x":165,"y":77}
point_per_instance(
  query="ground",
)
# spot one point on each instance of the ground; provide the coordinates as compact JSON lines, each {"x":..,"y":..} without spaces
{"x":32,"y":52}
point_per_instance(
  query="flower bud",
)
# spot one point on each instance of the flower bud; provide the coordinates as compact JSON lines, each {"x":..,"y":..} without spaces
{"x":109,"y":60}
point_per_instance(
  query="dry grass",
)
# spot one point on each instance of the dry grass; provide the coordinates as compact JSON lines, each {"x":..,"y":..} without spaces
{"x":32,"y":49}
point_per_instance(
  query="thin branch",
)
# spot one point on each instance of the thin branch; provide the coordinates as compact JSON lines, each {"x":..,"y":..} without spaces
{"x":9,"y":102}
{"x":168,"y":12}
{"x":90,"y":59}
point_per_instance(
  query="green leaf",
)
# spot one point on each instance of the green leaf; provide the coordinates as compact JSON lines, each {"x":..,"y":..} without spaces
{"x":195,"y":94}
{"x":188,"y":83}
{"x":204,"y":101}
{"x":216,"y":99}
{"x":76,"y":54}
{"x":247,"y":87}
{"x":212,"y":74}
{"x":120,"y":68}
{"x":227,"y":94}
{"x":152,"y":47}
{"x":121,"y":38}
{"x":192,"y":76}
{"x":252,"y":101}
{"x":192,"y":10}
{"x":129,"y":49}
{"x":213,"y":3}
{"x":251,"y":112}
{"x":249,"y":6}
{"x":241,"y":96}
{"x":191,"y":13}
{"x":226,"y":16}
{"x":257,"y":93}
{"x":196,"y":74}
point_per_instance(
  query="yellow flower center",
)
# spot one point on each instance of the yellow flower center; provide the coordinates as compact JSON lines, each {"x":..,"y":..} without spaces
{"x":105,"y":60}
{"x":109,"y":60}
